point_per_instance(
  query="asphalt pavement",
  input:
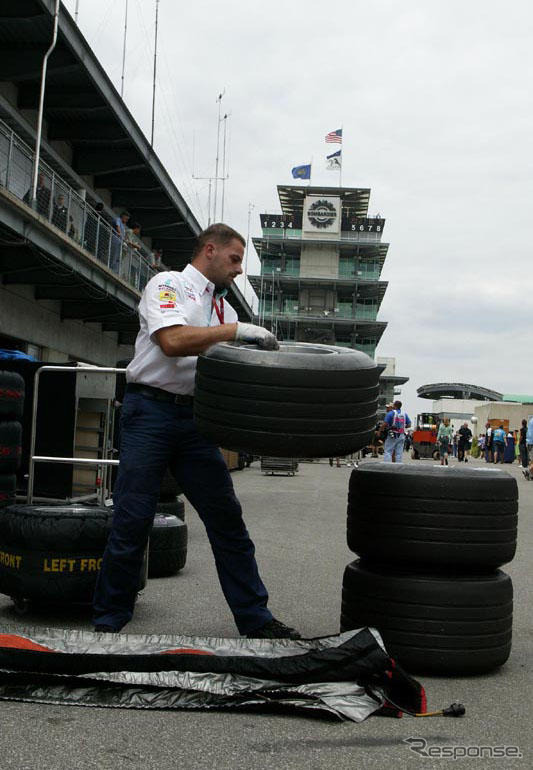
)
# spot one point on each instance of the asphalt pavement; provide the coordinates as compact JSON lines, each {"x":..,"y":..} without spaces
{"x":299,"y":528}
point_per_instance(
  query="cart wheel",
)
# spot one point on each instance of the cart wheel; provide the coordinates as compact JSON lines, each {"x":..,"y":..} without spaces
{"x":20,"y":605}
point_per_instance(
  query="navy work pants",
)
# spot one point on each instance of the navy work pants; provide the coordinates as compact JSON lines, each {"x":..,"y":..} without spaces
{"x":156,"y":435}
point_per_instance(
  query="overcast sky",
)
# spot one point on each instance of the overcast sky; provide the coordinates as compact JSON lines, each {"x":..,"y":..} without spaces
{"x":435,"y":101}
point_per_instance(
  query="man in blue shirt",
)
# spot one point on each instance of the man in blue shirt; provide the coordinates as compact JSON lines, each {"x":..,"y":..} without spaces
{"x":397,"y":422}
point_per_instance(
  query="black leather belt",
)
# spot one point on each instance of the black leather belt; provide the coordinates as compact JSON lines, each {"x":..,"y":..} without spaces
{"x":158,"y":394}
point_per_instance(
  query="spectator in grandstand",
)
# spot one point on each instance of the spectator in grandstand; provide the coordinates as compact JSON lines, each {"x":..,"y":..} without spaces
{"x":157,"y":256}
{"x":117,"y":239}
{"x":60,"y":213}
{"x":42,"y":197}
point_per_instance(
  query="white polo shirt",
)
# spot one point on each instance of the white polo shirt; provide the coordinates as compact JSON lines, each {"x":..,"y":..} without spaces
{"x":171,"y":299}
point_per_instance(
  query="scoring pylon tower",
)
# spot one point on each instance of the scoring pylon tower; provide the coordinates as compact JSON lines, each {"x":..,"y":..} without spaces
{"x":321,"y":262}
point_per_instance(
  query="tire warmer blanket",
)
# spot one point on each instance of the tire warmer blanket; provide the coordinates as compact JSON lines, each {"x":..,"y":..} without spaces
{"x":349,"y":676}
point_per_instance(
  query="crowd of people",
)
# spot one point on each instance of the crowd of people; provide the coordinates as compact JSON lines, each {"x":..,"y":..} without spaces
{"x":114,"y":240}
{"x":392,"y":436}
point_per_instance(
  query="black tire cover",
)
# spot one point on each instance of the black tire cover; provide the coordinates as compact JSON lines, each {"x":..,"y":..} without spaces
{"x":8,"y":485}
{"x":55,"y":526}
{"x":52,"y":553}
{"x":447,"y":624}
{"x":11,"y":395}
{"x":10,"y":446}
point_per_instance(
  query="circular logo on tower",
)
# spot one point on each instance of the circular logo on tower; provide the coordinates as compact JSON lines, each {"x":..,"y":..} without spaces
{"x":322,"y":213}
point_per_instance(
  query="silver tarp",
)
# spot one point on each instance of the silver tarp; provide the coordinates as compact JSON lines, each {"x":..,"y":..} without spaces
{"x":25,"y":676}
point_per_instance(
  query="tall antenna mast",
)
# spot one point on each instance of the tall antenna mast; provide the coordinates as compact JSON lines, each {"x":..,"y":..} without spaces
{"x":219,"y":100}
{"x":224,"y":175}
{"x":250,"y":209}
{"x":77,"y":11}
{"x":124,"y":52}
{"x":155,"y":69}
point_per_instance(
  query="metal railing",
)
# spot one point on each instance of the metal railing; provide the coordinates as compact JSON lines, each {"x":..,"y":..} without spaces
{"x":64,"y":208}
{"x":288,"y":311}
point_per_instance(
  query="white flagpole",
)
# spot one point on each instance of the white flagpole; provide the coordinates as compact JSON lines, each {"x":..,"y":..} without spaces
{"x":340,"y":167}
{"x":310,"y":170}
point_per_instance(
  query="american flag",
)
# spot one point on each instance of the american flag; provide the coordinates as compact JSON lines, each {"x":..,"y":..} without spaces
{"x":334,"y":136}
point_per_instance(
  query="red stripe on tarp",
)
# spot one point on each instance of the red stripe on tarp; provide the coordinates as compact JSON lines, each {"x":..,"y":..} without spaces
{"x":21,"y":643}
{"x":186,"y":651}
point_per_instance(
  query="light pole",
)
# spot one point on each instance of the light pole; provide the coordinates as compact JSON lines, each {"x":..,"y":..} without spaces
{"x":41,"y":107}
{"x":251,"y":207}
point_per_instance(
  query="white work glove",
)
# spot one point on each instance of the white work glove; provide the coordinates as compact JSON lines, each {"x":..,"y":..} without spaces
{"x":257,"y":334}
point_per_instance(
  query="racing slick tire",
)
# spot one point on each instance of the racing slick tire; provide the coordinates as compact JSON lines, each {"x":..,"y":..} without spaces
{"x":174,"y":507}
{"x":167,"y":551}
{"x":446,"y":625}
{"x":303,"y":400}
{"x":444,"y":531}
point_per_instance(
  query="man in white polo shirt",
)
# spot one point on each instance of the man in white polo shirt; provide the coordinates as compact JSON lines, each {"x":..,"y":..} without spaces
{"x":181,"y":315}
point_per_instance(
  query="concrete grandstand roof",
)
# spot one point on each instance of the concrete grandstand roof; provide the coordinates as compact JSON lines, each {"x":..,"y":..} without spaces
{"x":457,"y":390}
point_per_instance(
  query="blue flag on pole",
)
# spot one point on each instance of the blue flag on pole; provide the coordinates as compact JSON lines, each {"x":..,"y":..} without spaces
{"x":302,"y":172}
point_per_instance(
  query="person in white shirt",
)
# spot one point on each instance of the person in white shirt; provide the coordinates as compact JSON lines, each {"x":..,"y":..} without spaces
{"x":181,"y":315}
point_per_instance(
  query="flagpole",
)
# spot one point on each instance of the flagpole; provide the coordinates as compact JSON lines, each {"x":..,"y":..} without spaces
{"x":340,"y":167}
{"x":310,"y":171}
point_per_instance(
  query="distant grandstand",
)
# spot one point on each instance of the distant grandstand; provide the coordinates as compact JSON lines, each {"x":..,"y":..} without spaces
{"x":462,"y":390}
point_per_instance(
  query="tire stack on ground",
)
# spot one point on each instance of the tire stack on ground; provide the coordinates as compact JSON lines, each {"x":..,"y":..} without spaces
{"x":430,"y":541}
{"x":11,"y":412}
{"x":303,"y":400}
{"x":168,"y":538}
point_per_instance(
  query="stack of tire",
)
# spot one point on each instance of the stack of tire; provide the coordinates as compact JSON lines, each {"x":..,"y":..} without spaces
{"x":11,"y":411}
{"x":430,"y":542}
{"x":303,"y":400}
{"x":168,"y":538}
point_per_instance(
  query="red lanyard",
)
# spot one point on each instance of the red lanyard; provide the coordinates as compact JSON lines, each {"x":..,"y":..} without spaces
{"x":219,"y":310}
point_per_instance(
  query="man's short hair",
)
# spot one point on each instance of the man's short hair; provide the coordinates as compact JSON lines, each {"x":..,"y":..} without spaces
{"x":125,"y":214}
{"x":219,"y":233}
{"x":397,"y":404}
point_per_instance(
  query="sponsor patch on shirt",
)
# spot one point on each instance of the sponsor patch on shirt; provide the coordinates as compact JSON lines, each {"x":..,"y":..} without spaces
{"x":190,"y":292}
{"x":167,"y":295}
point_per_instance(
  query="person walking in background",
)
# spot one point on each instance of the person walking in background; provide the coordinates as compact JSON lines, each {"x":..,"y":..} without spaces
{"x":509,"y":454}
{"x":498,"y":442}
{"x":489,"y":450}
{"x":454,"y":443}
{"x":522,"y":445}
{"x":529,"y":438}
{"x":397,"y":422}
{"x":444,"y":438}
{"x":464,"y":437}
